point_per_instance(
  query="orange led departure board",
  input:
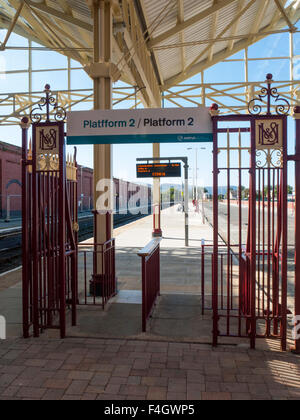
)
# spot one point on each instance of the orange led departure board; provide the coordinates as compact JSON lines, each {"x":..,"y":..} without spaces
{"x":158,"y":170}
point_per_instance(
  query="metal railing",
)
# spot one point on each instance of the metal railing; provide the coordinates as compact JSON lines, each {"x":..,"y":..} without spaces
{"x":95,"y":288}
{"x":150,"y":278}
{"x":225,"y":278}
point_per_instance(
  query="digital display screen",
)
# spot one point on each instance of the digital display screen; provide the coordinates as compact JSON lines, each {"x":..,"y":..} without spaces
{"x":159,"y":170}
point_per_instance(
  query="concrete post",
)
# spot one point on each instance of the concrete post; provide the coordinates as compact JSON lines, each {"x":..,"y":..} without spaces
{"x":7,"y":208}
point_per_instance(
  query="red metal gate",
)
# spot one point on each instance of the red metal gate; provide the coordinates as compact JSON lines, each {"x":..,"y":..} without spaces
{"x":49,"y":206}
{"x":250,"y":262}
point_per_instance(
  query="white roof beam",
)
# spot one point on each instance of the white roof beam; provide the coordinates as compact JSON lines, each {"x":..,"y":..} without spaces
{"x":213,"y":30}
{"x":285,"y":16}
{"x":235,"y":27}
{"x":223,"y":39}
{"x":79,"y":31}
{"x":260,"y":16}
{"x":238,"y":16}
{"x":28,"y":16}
{"x":180,"y":7}
{"x":12,"y":26}
{"x":157,"y":62}
{"x":55,"y":33}
{"x":61,"y":34}
{"x":65,"y":6}
{"x":60,"y":15}
{"x":189,"y":22}
{"x":241,"y":45}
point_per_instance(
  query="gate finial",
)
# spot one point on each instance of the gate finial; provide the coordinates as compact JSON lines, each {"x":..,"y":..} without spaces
{"x":214,"y":110}
{"x":269,"y":92}
{"x":25,"y":123}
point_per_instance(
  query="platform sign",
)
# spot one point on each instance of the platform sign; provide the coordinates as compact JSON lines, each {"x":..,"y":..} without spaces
{"x":158,"y":170}
{"x":173,"y":125}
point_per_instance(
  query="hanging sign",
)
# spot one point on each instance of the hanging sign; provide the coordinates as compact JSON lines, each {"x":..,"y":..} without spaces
{"x":173,"y":125}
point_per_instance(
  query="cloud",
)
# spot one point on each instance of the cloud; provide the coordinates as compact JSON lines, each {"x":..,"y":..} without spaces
{"x":265,"y":65}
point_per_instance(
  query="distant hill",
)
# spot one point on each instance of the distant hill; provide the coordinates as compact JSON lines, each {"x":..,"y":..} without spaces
{"x":222,"y":189}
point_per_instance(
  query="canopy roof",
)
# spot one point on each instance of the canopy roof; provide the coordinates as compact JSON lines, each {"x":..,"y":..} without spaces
{"x":157,"y":43}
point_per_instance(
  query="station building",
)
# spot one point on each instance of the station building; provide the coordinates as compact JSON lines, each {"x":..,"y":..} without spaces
{"x":10,"y":185}
{"x":10,"y":182}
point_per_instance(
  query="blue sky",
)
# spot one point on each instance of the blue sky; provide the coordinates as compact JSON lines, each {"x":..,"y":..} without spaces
{"x":124,"y":156}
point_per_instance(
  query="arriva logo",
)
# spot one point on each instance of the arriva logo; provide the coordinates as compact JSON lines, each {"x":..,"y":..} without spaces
{"x":2,"y":328}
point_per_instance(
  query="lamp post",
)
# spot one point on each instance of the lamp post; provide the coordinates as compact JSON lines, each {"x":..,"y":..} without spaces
{"x":196,"y":197}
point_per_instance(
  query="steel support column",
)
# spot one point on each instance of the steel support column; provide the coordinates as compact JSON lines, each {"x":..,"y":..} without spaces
{"x":100,"y":72}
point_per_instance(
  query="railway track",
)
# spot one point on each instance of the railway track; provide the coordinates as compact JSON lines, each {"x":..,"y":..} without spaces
{"x":11,"y":242}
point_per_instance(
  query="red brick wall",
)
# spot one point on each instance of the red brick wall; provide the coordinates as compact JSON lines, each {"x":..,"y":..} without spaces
{"x":85,"y":186}
{"x":10,"y":178}
{"x":10,"y":181}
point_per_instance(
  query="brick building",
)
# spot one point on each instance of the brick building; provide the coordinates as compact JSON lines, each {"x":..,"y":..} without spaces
{"x":10,"y":182}
{"x":85,"y":188}
{"x":10,"y":179}
{"x":10,"y":186}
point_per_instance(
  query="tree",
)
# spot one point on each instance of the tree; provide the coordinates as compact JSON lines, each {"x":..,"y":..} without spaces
{"x":246,"y":193}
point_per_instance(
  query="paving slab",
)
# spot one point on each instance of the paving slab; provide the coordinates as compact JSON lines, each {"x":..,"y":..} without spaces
{"x":201,"y":372}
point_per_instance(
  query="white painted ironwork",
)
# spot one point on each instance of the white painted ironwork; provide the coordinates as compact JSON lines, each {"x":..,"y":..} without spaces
{"x":157,"y":44}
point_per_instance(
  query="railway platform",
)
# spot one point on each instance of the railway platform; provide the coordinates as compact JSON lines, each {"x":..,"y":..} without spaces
{"x":180,"y":285}
{"x":9,"y":226}
{"x":108,"y":357}
{"x":179,"y":311}
{"x":180,"y":273}
{"x":14,"y":225}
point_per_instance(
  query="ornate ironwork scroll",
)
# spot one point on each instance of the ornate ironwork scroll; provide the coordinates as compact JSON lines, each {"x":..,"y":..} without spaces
{"x":47,"y":133}
{"x":269,"y":132}
{"x":43,"y":109}
{"x":269,"y":158}
{"x":268,"y":96}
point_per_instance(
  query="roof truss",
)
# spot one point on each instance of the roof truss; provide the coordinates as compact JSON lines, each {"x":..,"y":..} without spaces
{"x":139,"y":39}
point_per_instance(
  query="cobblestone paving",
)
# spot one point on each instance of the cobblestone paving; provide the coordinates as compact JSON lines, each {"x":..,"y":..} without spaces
{"x":87,"y":369}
